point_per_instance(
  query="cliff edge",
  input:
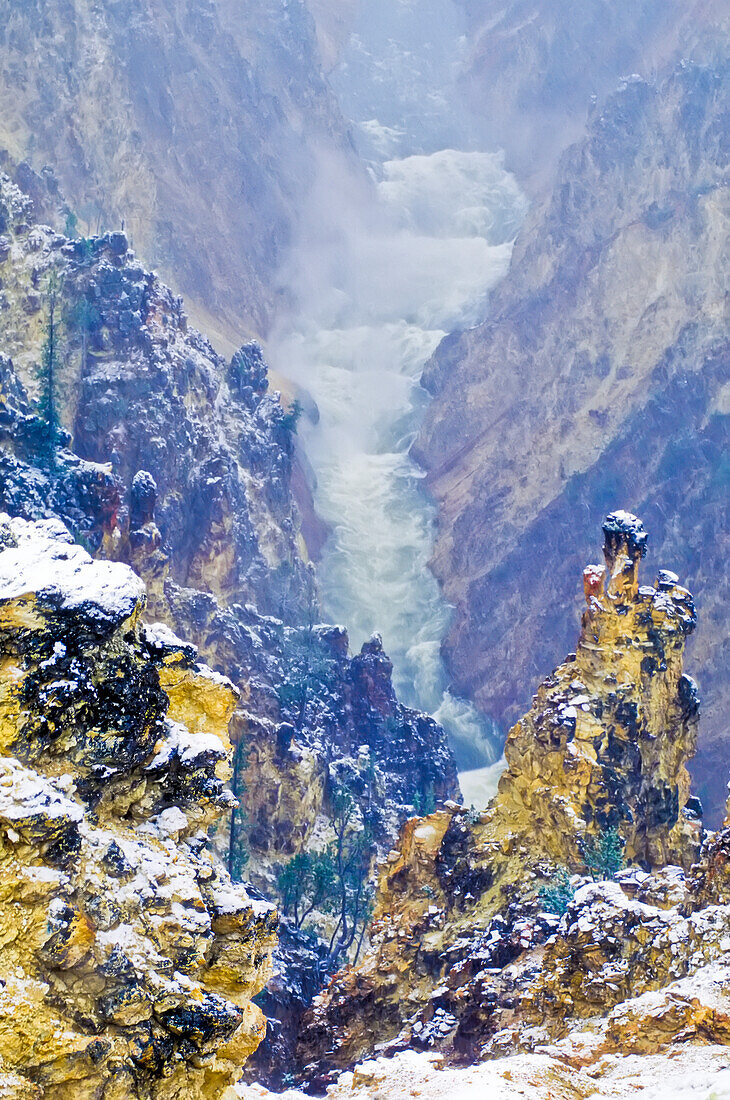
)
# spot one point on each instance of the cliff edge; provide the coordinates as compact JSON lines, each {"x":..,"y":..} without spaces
{"x":129,"y":958}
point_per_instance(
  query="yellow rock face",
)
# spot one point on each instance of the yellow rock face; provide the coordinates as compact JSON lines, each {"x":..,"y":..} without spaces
{"x":129,"y":957}
{"x":603,"y":748}
{"x":607,"y":739}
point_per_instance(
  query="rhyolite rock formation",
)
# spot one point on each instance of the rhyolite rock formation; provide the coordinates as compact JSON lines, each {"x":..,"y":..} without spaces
{"x":468,"y":956}
{"x":179,"y":463}
{"x":599,"y":380}
{"x":129,"y":958}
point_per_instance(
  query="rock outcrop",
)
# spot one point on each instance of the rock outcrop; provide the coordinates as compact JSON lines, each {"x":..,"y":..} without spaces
{"x":129,"y":958}
{"x":139,"y":391}
{"x":470,"y":954}
{"x":600,"y":378}
{"x":610,"y":732}
{"x":179,"y":463}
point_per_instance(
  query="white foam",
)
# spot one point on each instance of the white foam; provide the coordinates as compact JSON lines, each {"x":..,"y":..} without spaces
{"x":479,"y":785}
{"x":378,"y":287}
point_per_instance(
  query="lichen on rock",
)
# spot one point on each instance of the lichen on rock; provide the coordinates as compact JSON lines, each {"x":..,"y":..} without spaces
{"x":129,"y":958}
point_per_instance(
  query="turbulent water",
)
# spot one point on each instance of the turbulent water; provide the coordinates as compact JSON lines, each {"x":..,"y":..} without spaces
{"x":380,"y":275}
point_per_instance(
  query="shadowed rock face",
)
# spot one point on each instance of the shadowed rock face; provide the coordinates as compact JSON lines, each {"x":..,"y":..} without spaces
{"x":600,"y":379}
{"x":456,"y":950}
{"x":196,"y":124}
{"x":186,"y":477}
{"x":129,"y":957}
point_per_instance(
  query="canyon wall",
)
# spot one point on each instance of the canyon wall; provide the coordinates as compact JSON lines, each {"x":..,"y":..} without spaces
{"x":129,"y":957}
{"x":601,"y":378}
{"x":196,"y":124}
{"x":578,"y":914}
{"x":171,"y":459}
{"x":532,"y":71}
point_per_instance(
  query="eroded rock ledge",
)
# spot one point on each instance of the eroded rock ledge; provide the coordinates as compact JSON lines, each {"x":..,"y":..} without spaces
{"x":128,"y":956}
{"x":470,"y":957}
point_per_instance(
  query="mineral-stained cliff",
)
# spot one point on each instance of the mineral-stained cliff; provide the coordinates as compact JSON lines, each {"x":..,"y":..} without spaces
{"x":129,"y":958}
{"x":198,"y":125}
{"x":180,"y":464}
{"x":600,"y":379}
{"x":470,"y":954}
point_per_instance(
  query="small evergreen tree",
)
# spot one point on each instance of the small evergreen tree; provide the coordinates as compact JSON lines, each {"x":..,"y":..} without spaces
{"x":557,"y":894}
{"x":604,"y":854}
{"x":351,"y":854}
{"x":83,"y":317}
{"x":306,"y":882}
{"x":71,"y":225}
{"x":424,"y":802}
{"x":49,"y":369}
{"x":237,"y":851}
{"x":290,"y":419}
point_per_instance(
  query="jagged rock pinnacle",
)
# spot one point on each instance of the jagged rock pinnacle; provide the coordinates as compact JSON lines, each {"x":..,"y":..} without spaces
{"x":602,"y":751}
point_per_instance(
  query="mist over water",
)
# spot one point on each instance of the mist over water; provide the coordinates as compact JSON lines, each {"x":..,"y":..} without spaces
{"x":380,"y":274}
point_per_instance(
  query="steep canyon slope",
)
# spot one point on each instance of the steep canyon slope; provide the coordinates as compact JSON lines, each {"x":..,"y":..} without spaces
{"x":600,"y":378}
{"x":178,"y":462}
{"x":129,"y":956}
{"x":519,"y":928}
{"x":197,"y":124}
{"x":532,"y":69}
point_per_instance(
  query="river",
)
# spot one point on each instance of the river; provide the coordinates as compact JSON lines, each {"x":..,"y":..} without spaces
{"x":385,"y":266}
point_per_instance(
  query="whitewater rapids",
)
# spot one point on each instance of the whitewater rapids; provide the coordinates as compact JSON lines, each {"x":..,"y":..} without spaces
{"x":375,"y":297}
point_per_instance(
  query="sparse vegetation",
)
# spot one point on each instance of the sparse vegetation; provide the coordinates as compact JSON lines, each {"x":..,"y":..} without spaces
{"x":424,"y":802}
{"x":306,"y":883}
{"x":48,"y":371}
{"x":238,"y":854}
{"x":556,"y":895}
{"x":352,"y":852}
{"x":335,"y":880}
{"x":83,"y":317}
{"x":71,"y":225}
{"x":290,"y":419}
{"x":604,"y":857}
{"x":604,"y":854}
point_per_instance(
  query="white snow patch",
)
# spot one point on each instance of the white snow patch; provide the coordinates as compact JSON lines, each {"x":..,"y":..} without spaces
{"x":186,"y":746}
{"x":25,"y":793}
{"x":48,"y":563}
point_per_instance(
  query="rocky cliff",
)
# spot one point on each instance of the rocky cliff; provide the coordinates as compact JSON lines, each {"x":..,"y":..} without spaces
{"x":129,"y":957}
{"x":169,"y":458}
{"x":601,"y":378}
{"x":138,"y":389}
{"x":533,"y":70}
{"x":197,"y":125}
{"x":505,"y":930}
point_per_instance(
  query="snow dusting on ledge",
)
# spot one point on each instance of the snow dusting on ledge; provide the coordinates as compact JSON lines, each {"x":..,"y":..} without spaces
{"x":42,"y":560}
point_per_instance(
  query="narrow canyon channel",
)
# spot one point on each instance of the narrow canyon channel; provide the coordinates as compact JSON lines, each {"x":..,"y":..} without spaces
{"x":393,"y":254}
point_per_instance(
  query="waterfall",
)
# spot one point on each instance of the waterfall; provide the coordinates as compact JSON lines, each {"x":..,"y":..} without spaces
{"x":378,"y":277}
